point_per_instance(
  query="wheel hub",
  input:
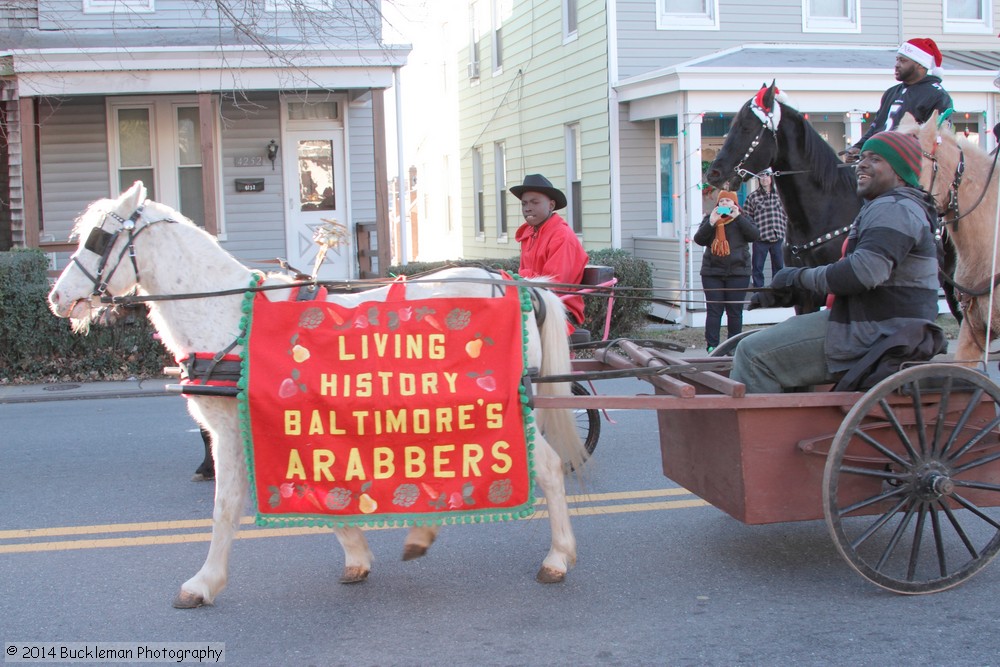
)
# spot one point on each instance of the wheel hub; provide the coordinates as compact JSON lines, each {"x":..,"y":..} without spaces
{"x":933,"y":481}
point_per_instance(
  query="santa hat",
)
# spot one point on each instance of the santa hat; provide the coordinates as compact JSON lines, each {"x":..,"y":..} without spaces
{"x":923,"y":51}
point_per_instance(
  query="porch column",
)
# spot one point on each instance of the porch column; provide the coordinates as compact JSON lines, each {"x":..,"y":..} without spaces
{"x":689,"y":144}
{"x":852,"y":122}
{"x":381,"y":183}
{"x":31,"y":220}
{"x":209,"y":182}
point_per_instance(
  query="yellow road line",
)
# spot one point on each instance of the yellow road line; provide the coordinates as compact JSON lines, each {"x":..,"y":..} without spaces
{"x":257,"y":533}
{"x":30,"y":533}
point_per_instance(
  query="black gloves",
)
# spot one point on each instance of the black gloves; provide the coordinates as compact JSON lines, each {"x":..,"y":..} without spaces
{"x":780,"y":293}
{"x":786,"y":278}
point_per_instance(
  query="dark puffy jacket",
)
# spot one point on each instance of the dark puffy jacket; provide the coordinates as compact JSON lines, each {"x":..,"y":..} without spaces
{"x":740,"y":233}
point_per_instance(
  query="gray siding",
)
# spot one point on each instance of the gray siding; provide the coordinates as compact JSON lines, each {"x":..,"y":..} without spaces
{"x":642,"y":48}
{"x":355,"y":21}
{"x":361,"y":162}
{"x":254,"y":222}
{"x":72,"y":142}
{"x":638,"y":160}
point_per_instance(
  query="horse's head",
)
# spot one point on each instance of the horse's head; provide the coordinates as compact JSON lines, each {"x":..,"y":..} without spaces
{"x":940,"y":158}
{"x":101,"y":264}
{"x":751,"y":144}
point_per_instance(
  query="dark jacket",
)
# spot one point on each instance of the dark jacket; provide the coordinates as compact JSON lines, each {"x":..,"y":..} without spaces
{"x":740,"y":233}
{"x":920,"y":99}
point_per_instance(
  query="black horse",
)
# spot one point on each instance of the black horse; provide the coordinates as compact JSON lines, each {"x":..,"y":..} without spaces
{"x":818,"y":191}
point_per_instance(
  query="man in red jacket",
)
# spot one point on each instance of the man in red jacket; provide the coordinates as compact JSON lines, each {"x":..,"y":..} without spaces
{"x":549,"y":247}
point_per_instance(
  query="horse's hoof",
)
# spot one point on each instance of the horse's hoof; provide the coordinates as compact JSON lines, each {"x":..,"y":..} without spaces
{"x":413,"y":551}
{"x":548,"y":575}
{"x":354,"y":575}
{"x":185,"y":600}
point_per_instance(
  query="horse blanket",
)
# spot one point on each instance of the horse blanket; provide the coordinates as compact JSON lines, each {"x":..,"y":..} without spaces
{"x":396,"y":412}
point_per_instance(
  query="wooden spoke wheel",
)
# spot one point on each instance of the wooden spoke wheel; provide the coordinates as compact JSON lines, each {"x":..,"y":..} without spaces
{"x":588,"y":422}
{"x":911,"y":487}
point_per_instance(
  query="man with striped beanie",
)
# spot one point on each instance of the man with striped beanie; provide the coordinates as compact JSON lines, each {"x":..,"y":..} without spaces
{"x":885,"y":288}
{"x":919,"y":93}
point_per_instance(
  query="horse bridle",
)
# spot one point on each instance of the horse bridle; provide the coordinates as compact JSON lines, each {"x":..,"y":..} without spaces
{"x":952,"y":206}
{"x":102,"y":242}
{"x":769,"y":119}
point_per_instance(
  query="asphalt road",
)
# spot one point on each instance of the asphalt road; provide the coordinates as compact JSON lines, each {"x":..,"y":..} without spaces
{"x":101,"y":525}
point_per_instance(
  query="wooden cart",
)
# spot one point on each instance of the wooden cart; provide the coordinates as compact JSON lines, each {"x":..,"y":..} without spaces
{"x":906,"y":475}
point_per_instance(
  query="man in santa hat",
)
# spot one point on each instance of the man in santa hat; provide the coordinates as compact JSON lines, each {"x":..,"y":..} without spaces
{"x":918,"y":63}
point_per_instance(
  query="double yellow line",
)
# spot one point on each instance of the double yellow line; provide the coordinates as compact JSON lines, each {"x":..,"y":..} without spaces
{"x":167,"y":532}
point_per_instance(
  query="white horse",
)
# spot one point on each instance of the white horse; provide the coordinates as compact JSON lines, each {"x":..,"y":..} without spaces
{"x":132,"y":244}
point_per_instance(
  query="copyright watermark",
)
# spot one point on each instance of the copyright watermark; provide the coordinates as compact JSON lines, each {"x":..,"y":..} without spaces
{"x":180,"y":652}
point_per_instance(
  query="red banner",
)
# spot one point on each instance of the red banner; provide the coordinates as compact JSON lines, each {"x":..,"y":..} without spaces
{"x":395,"y":412}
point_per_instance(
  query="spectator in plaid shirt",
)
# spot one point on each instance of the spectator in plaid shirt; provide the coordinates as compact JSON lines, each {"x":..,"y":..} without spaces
{"x":764,"y":207}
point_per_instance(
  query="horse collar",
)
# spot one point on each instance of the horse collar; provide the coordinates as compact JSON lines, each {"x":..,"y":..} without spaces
{"x":819,"y":240}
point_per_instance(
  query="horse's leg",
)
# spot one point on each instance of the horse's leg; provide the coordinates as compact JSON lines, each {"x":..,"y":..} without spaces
{"x":418,"y":541}
{"x":231,"y":487}
{"x":549,"y":474}
{"x":968,"y":347}
{"x":357,"y":554}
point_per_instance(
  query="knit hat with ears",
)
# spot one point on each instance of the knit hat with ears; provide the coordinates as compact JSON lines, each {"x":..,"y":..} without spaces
{"x":901,"y":151}
{"x":924,"y":52}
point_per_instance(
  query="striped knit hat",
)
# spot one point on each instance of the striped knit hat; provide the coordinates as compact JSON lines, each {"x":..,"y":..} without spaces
{"x":901,"y":151}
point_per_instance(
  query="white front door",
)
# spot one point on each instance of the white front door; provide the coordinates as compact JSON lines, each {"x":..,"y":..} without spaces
{"x":316,"y":200}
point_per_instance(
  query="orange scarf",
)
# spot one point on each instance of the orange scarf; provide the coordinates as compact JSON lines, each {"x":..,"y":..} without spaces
{"x":720,"y":245}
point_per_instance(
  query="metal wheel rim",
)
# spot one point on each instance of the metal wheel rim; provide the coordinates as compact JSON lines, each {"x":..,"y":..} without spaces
{"x":588,"y":422}
{"x":918,"y":506}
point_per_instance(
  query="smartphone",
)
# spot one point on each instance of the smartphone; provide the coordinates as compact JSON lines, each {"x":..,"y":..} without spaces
{"x":724,"y":210}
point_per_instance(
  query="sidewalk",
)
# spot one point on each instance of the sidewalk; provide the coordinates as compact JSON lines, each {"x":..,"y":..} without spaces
{"x":62,"y":391}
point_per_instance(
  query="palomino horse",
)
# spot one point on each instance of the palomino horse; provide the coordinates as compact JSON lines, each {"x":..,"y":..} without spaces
{"x":818,"y":191}
{"x":131,"y":244}
{"x":962,"y":179}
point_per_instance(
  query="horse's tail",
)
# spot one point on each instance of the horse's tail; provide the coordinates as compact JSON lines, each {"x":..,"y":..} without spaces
{"x":558,"y":425}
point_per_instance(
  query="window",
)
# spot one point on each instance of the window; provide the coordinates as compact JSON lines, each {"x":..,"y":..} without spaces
{"x":477,"y":193}
{"x":473,"y":42}
{"x":569,"y":19}
{"x":158,"y":141}
{"x":667,"y":149}
{"x":574,"y":177}
{"x":123,"y":6}
{"x":831,"y":15}
{"x":500,"y":158}
{"x":501,"y":12}
{"x":687,"y":14}
{"x":968,"y":16}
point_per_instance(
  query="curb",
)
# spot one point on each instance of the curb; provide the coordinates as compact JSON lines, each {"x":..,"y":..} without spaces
{"x":68,"y":391}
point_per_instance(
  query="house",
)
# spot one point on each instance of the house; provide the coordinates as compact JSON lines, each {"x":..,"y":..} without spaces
{"x":259,"y":121}
{"x":623,"y":103}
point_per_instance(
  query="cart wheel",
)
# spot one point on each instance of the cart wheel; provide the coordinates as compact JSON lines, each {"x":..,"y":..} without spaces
{"x":728,"y":347}
{"x":588,"y":422}
{"x":910,"y":495}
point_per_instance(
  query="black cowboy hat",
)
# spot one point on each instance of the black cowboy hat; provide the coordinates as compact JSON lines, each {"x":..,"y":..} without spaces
{"x":538,"y":183}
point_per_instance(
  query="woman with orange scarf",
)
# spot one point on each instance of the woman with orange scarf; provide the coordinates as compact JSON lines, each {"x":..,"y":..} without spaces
{"x":727,"y":236}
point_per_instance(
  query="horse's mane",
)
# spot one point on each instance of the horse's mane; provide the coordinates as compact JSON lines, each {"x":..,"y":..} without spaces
{"x":827,"y":169}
